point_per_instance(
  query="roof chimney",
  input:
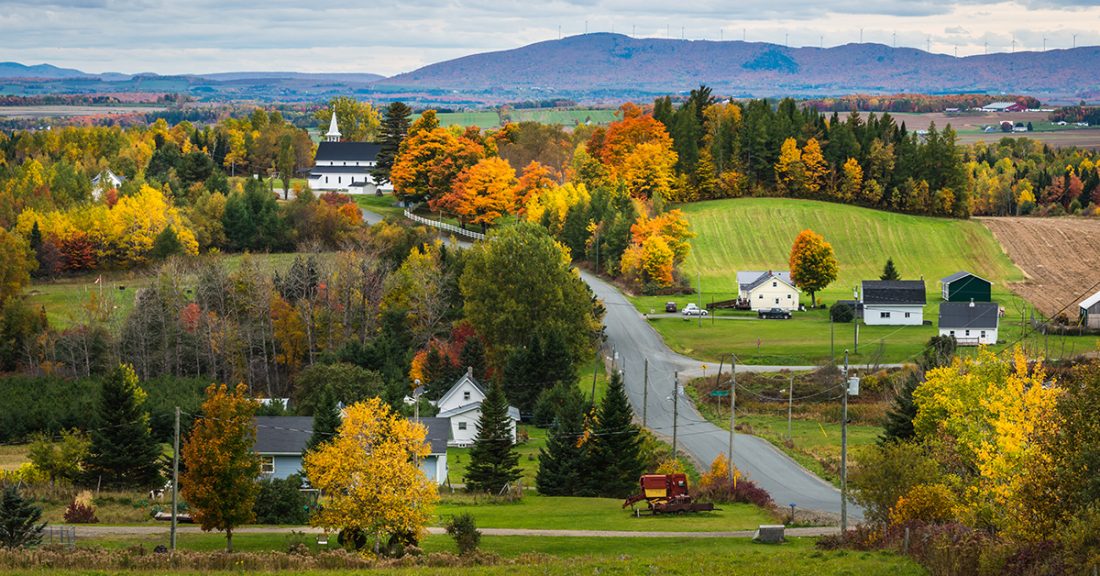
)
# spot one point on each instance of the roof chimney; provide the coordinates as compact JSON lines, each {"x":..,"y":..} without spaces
{"x":470,"y":371}
{"x":971,"y":302}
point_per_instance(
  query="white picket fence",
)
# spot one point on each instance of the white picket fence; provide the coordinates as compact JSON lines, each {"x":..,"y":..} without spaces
{"x":445,"y":226}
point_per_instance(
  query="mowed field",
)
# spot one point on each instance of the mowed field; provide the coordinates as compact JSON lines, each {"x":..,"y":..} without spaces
{"x":970,"y":127}
{"x":1060,"y":258}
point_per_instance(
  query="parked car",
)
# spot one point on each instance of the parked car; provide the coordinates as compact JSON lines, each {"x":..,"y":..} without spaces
{"x":670,"y":306}
{"x":693,"y":310}
{"x":775,"y":314}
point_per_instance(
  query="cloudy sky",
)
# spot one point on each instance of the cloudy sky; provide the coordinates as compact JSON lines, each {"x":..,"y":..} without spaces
{"x":386,"y":37}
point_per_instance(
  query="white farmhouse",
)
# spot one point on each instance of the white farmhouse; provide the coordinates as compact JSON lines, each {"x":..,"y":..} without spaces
{"x":893,"y":302}
{"x":766,"y":290}
{"x":462,"y":405}
{"x":345,"y":166}
{"x":971,"y":323}
{"x":105,"y":180}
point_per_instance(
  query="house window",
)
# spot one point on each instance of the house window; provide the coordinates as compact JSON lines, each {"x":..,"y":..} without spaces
{"x":760,"y":297}
{"x":267,"y":464}
{"x":339,"y":179}
{"x":775,"y":284}
{"x":788,"y":296}
{"x":983,"y":333}
{"x":883,"y":314}
{"x":777,"y":300}
{"x":326,"y":179}
{"x":466,"y":395}
{"x":952,"y":332}
{"x":461,"y":425}
{"x":906,"y":314}
{"x":968,"y":332}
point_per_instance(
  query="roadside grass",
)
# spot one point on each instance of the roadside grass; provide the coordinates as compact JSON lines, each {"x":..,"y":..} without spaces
{"x":569,"y":556}
{"x":386,"y":204}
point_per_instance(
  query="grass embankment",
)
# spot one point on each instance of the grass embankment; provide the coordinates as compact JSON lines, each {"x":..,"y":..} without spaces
{"x":756,"y":234}
{"x":386,"y":204}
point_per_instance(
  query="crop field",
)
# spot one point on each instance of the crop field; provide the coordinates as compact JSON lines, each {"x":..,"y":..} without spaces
{"x":970,"y":127}
{"x":564,"y":117}
{"x":479,"y":119}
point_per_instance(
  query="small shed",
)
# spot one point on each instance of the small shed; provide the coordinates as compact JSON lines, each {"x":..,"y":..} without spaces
{"x":966,"y":286}
{"x":971,"y":323}
{"x":1090,"y":311}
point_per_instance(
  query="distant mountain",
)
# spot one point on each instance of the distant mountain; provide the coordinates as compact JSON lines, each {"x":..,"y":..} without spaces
{"x":595,"y":63}
{"x":17,"y":70}
{"x":331,"y":77}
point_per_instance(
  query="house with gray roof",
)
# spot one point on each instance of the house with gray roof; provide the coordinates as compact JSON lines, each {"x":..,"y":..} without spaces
{"x":971,"y":323}
{"x":764,"y":290}
{"x":461,"y":404}
{"x":893,"y":302}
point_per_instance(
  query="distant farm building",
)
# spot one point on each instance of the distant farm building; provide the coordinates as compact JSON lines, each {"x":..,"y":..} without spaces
{"x":971,"y":323}
{"x":105,"y":180}
{"x":1004,"y":107}
{"x":1090,"y":311}
{"x":893,"y":302}
{"x":965,"y":286}
{"x":766,"y":290}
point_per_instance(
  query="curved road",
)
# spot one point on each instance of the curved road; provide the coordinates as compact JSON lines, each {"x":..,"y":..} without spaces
{"x":634,"y":340}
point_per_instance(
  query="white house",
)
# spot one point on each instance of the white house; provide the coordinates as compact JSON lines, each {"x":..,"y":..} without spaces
{"x":105,"y":180}
{"x":462,"y":405}
{"x":893,"y":302}
{"x":971,"y":323}
{"x":1089,"y":311}
{"x":345,"y":166}
{"x":765,"y":290}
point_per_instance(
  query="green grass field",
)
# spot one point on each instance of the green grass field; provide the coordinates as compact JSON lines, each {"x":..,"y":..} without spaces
{"x":480,"y":119}
{"x":386,"y":204}
{"x":459,"y":458}
{"x":564,"y":117}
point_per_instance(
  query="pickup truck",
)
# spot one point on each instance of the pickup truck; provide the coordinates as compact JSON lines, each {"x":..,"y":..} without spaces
{"x":693,"y":310}
{"x":774,"y":314}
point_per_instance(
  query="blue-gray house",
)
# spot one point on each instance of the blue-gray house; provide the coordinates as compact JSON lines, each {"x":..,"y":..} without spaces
{"x":280,"y":441}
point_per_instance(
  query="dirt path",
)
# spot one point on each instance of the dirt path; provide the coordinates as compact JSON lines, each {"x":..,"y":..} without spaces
{"x":107,"y":531}
{"x":1059,"y":256}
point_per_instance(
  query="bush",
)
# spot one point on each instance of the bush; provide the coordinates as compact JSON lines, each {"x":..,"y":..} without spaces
{"x":281,"y":501}
{"x":80,"y":511}
{"x":747,"y":492}
{"x":842,"y":312}
{"x":932,"y":503}
{"x":888,"y":472}
{"x":464,"y":530}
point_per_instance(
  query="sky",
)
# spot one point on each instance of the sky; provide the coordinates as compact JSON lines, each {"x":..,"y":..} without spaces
{"x":387,"y":37}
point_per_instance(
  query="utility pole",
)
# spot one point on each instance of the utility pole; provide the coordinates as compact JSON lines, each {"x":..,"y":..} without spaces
{"x":855,"y":321}
{"x":733,"y":406}
{"x":844,"y":452}
{"x":595,"y":371}
{"x":675,"y":408}
{"x":175,"y":478}
{"x":645,"y":393}
{"x":790,"y":405}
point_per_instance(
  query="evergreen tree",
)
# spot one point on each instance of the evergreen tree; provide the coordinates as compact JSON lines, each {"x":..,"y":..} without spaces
{"x":395,"y":127}
{"x":18,"y":519}
{"x":889,"y":272}
{"x":326,"y":419}
{"x":899,"y":419}
{"x":494,"y":462}
{"x":614,"y":453}
{"x":562,"y":460}
{"x":538,"y":367}
{"x":166,"y":244}
{"x":123,"y":452}
{"x":472,"y":355}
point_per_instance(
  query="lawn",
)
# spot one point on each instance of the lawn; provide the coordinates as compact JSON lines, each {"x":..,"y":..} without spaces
{"x":479,"y":119}
{"x":564,"y":117}
{"x":386,"y":204}
{"x":459,"y":458}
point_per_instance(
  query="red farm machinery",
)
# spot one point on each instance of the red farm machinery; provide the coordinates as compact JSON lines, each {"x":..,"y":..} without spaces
{"x":666,"y":494}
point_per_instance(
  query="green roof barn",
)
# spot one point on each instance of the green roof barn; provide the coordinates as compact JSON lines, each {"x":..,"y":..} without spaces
{"x":964,"y":287}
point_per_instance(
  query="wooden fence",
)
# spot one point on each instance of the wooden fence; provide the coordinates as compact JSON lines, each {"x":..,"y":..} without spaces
{"x":444,"y":226}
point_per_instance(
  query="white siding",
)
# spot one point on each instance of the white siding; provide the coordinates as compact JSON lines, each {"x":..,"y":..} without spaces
{"x":462,"y":393}
{"x":892,"y":315}
{"x":435,"y":468}
{"x":773,"y":294}
{"x":465,"y":436}
{"x":970,"y":336}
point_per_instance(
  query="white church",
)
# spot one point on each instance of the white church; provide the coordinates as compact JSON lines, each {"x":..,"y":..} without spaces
{"x":345,"y":166}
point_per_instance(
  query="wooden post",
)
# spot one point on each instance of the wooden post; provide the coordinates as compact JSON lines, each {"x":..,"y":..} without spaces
{"x":645,"y":393}
{"x":175,"y":478}
{"x":733,"y":408}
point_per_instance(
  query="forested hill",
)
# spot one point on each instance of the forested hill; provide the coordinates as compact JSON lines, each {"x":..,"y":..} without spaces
{"x":612,"y":62}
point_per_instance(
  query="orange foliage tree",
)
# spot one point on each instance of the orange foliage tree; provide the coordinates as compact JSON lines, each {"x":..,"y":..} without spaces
{"x":484,"y":192}
{"x":813,"y":263}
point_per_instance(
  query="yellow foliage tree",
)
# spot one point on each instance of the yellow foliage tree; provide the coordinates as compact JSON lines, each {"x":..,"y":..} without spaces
{"x":648,"y":169}
{"x":924,"y":503}
{"x":815,"y":168}
{"x":852,"y":181}
{"x":368,"y":474}
{"x":554,"y":203}
{"x":790,"y":174}
{"x":813,"y":263}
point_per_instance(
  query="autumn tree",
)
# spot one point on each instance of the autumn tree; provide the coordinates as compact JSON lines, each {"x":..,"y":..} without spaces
{"x":358,"y":121}
{"x":494,"y":462}
{"x":123,"y":452}
{"x":790,"y":173}
{"x":17,"y":261}
{"x":851,"y":183}
{"x":482,"y":193}
{"x":395,"y":128}
{"x":326,"y":419}
{"x":219,"y":478}
{"x":815,"y":167}
{"x":428,"y":162}
{"x":813,"y":263}
{"x":369,"y":477}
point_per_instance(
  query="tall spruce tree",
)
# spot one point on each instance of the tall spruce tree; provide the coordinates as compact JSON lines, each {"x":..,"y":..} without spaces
{"x":889,"y":272}
{"x":395,"y":127}
{"x":472,"y":355}
{"x":614,"y":461}
{"x":19,"y":520}
{"x":562,"y":460}
{"x":326,"y":419}
{"x":494,"y":462}
{"x":899,"y":419}
{"x":123,"y":453}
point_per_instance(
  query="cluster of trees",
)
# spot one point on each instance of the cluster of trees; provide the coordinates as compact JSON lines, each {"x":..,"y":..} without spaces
{"x":921,"y":103}
{"x":1078,"y":113}
{"x":1023,"y":176}
{"x":1002,"y":446}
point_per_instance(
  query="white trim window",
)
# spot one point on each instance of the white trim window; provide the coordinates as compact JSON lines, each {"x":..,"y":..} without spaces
{"x":267,"y":464}
{"x":461,"y":425}
{"x":883,"y":314}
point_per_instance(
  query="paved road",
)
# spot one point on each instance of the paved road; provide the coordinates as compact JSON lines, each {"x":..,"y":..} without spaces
{"x":634,"y":340}
{"x":86,"y":531}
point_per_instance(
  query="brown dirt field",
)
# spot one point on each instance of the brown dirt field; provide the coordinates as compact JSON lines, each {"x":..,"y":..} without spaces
{"x":1060,"y":258}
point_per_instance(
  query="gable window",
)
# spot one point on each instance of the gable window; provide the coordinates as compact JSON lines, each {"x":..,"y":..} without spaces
{"x":775,"y":284}
{"x":968,"y":332}
{"x":883,"y":314}
{"x":267,"y":464}
{"x":777,"y":300}
{"x":788,"y":296}
{"x":760,"y":297}
{"x":461,"y":425}
{"x":466,"y":395}
{"x":906,"y":314}
{"x":983,"y":333}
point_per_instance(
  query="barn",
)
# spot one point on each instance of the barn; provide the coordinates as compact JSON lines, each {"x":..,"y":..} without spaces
{"x":966,"y":286}
{"x":1090,"y":311}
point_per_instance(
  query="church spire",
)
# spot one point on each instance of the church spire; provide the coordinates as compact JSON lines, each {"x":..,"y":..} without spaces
{"x":333,"y":134}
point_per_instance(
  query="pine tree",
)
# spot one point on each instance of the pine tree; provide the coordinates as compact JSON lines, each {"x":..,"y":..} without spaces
{"x":899,"y":419}
{"x":562,"y":461}
{"x":889,"y":272}
{"x":614,"y":455}
{"x":395,"y":127}
{"x":494,"y":462}
{"x":18,"y":518}
{"x":123,"y":452}
{"x":166,"y":244}
{"x":326,"y":419}
{"x":473,"y":356}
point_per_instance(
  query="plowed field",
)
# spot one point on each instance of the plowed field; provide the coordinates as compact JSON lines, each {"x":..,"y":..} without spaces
{"x":1059,"y":256}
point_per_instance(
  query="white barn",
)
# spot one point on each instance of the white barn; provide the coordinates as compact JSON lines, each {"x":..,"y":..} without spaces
{"x":462,"y":405}
{"x":345,"y":166}
{"x":893,"y":302}
{"x":1089,"y":312}
{"x":971,"y":323}
{"x":766,"y":290}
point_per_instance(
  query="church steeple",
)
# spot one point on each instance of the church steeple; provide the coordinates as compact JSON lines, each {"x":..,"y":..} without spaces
{"x":333,"y":134}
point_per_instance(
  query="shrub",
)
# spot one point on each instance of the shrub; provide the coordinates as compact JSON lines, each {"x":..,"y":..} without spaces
{"x":842,"y":312}
{"x":81,"y":510}
{"x":888,"y":472}
{"x":932,"y":503}
{"x":746,"y":491}
{"x":281,"y":501}
{"x":465,"y":533}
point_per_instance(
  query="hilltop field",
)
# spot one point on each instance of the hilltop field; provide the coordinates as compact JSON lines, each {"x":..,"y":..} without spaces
{"x":756,"y":234}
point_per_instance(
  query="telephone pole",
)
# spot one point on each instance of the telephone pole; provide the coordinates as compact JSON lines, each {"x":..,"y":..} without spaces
{"x":733,"y":406}
{"x":645,"y":394}
{"x":175,"y":478}
{"x":675,"y":408}
{"x":790,"y":405}
{"x":844,"y":452}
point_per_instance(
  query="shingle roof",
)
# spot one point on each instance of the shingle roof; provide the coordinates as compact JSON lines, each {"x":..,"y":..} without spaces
{"x":347,"y":151}
{"x":340,"y":170}
{"x":966,"y":315}
{"x":909,"y":292}
{"x":439,"y":432}
{"x":282,"y":434}
{"x":750,"y":279}
{"x":960,"y":275}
